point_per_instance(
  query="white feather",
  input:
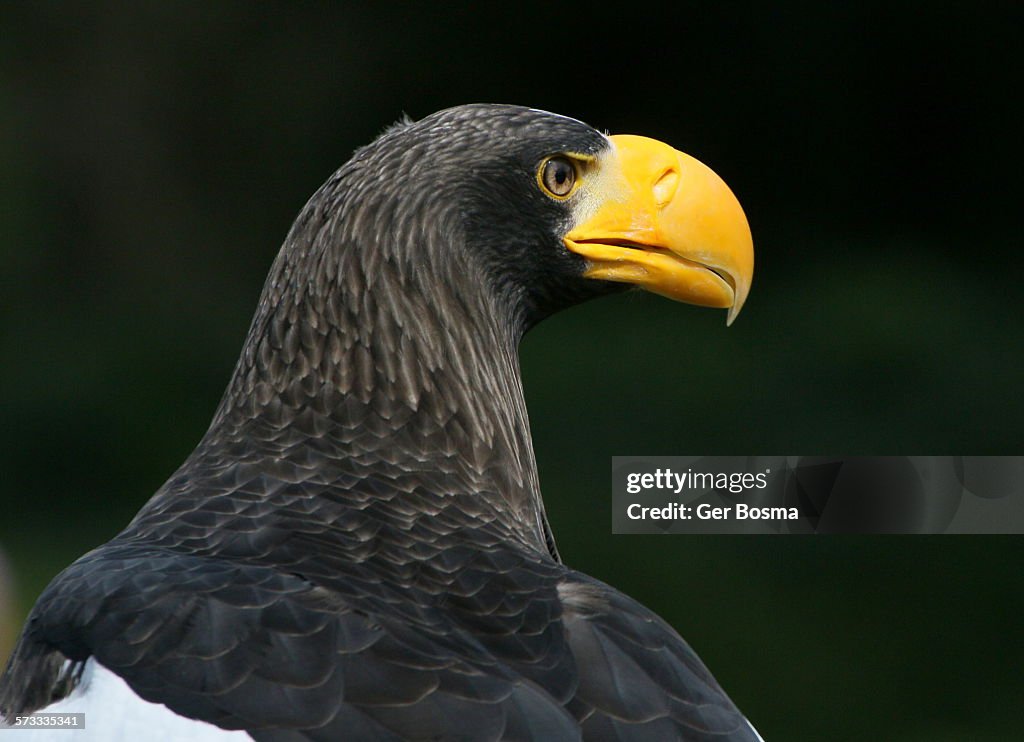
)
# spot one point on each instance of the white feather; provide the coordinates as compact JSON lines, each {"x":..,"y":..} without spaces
{"x":113,"y":713}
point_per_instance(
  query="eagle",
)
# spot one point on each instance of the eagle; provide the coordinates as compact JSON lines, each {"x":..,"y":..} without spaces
{"x":357,"y":549}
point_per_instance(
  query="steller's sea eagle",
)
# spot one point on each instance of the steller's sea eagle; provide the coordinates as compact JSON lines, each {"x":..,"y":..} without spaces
{"x":357,"y":549}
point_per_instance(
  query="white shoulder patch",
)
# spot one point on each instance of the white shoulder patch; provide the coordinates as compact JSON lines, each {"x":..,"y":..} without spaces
{"x":113,"y":713}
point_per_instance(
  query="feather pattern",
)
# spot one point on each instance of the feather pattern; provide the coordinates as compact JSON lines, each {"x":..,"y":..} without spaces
{"x":357,"y":548}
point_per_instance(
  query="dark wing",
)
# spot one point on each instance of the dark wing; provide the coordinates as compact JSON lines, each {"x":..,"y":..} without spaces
{"x":505,"y":647}
{"x":638,"y":679}
{"x":251,"y":647}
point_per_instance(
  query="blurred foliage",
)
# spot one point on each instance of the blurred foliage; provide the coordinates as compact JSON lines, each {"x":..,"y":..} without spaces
{"x":154,"y":154}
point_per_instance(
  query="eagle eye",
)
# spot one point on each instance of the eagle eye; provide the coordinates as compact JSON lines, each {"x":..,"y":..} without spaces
{"x":558,"y":176}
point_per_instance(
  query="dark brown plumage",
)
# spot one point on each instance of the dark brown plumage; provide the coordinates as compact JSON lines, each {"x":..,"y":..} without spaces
{"x":357,"y":549}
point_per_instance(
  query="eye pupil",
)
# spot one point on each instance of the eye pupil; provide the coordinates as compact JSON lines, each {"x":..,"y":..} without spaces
{"x":558,"y":176}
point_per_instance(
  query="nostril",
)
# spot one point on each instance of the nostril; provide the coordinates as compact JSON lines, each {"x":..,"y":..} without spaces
{"x":665,"y":186}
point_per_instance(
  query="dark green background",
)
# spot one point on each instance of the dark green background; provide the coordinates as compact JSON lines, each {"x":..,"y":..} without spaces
{"x":153,"y":155}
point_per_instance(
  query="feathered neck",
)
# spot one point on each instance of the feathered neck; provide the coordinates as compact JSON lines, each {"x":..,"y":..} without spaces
{"x":379,"y":360}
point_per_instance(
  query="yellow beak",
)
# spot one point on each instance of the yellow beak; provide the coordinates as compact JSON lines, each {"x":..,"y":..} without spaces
{"x":667,"y":223}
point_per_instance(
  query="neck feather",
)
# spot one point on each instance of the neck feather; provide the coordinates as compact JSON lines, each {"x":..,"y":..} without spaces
{"x":361,"y":367}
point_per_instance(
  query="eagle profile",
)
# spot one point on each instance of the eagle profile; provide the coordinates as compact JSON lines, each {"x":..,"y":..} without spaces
{"x":357,"y":548}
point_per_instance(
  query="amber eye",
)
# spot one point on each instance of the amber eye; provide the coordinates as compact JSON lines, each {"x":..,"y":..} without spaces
{"x":558,"y":176}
